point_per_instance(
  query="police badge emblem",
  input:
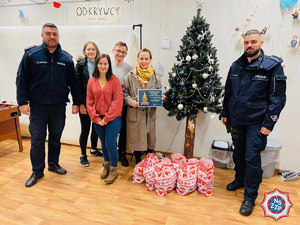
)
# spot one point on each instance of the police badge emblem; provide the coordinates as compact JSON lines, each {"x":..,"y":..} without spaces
{"x":274,"y":118}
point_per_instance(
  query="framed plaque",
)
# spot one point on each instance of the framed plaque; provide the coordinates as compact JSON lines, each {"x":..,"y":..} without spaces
{"x":150,"y":97}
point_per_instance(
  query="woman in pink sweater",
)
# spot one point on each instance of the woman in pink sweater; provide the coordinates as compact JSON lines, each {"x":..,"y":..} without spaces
{"x":104,"y":104}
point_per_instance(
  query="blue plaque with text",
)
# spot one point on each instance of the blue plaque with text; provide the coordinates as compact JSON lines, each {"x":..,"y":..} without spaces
{"x":150,"y":97}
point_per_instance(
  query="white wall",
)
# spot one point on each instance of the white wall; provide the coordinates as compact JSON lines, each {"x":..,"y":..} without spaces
{"x":170,"y":17}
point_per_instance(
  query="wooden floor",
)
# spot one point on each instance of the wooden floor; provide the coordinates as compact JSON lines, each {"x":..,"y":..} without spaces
{"x":81,"y":197}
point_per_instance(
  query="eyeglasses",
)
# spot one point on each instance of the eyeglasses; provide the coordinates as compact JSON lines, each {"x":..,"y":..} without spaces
{"x":120,"y":52}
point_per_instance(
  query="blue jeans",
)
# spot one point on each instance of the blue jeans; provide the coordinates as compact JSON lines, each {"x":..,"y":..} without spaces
{"x":43,"y":117}
{"x":248,"y":143}
{"x":108,"y":135}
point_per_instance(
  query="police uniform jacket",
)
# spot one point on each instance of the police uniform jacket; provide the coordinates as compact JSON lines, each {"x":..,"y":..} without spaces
{"x":255,"y":91}
{"x":45,"y":78}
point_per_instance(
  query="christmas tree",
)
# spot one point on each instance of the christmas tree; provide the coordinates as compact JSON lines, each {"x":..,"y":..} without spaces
{"x":194,"y":81}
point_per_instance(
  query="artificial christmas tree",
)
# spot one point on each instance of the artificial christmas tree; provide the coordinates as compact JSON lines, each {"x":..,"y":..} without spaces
{"x":194,"y":81}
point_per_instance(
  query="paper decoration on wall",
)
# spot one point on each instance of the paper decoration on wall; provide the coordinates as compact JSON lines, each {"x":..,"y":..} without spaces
{"x":294,"y":42}
{"x":56,"y":5}
{"x":159,"y":68}
{"x":265,"y":30}
{"x":21,"y":15}
{"x":285,"y":4}
{"x":296,"y":14}
{"x":165,"y":42}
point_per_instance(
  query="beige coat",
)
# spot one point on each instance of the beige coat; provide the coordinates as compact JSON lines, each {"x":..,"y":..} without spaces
{"x":141,"y":132}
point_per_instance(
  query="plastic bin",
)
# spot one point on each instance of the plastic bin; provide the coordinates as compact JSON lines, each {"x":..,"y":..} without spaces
{"x":220,"y":153}
{"x":230,"y":164}
{"x":269,"y":157}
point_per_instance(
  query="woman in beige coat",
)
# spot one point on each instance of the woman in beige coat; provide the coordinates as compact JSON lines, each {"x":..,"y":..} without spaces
{"x":141,"y":134}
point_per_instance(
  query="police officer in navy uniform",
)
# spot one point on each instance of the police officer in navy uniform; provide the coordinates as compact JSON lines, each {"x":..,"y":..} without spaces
{"x":254,"y":97}
{"x":45,"y":75}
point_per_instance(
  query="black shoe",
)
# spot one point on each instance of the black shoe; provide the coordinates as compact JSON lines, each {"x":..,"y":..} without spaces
{"x":123,"y":159}
{"x":138,"y":155}
{"x":84,"y":161}
{"x":33,"y":179}
{"x":246,"y":208}
{"x":150,"y":151}
{"x":96,"y":152}
{"x":57,"y":169}
{"x":234,"y":185}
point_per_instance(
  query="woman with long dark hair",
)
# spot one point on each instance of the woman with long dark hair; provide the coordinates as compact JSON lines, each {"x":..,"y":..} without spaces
{"x":104,"y":104}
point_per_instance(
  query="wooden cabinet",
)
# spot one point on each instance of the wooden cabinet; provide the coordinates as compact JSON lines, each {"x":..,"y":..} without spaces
{"x":9,"y":124}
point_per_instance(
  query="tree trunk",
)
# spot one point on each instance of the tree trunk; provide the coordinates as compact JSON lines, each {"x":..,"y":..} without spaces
{"x":189,"y":137}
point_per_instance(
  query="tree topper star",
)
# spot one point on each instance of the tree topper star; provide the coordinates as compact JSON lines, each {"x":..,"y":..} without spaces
{"x":200,"y":3}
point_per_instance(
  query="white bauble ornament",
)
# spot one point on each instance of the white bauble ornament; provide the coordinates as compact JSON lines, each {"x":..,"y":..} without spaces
{"x":188,"y":58}
{"x":180,"y":106}
{"x":194,"y":85}
{"x":205,"y":75}
{"x":212,"y":117}
{"x":210,"y":68}
{"x":194,"y":57}
{"x":204,"y":109}
{"x":173,"y":75}
{"x":190,"y":23}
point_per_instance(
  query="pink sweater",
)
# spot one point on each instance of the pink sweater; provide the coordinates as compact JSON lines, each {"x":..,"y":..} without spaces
{"x":106,"y":101}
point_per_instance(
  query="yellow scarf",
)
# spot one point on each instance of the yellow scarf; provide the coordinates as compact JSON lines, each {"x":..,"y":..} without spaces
{"x":143,"y":75}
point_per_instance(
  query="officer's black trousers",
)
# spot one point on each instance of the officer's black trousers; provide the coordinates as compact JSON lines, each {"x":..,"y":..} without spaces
{"x":43,"y":117}
{"x":248,"y":143}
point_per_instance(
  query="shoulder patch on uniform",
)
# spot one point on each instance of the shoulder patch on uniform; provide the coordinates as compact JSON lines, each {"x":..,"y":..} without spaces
{"x":270,"y":61}
{"x":276,"y":58}
{"x":30,"y":47}
{"x":67,"y":54}
{"x":274,"y":118}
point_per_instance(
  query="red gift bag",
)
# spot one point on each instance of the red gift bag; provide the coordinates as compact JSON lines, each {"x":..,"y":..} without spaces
{"x":149,"y":174}
{"x":176,"y":159}
{"x":165,"y":177}
{"x":187,"y":177}
{"x":205,"y":176}
{"x":138,"y":176}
